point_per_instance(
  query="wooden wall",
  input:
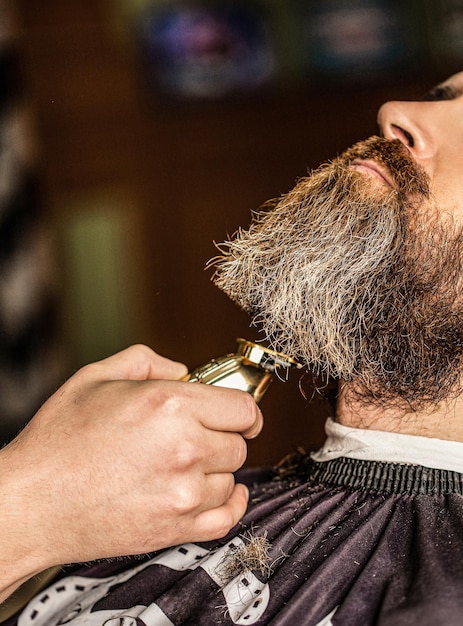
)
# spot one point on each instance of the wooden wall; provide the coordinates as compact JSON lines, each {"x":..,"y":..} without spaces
{"x":183,"y":176}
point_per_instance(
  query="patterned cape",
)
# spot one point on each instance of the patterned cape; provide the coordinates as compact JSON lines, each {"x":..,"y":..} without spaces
{"x":345,"y":542}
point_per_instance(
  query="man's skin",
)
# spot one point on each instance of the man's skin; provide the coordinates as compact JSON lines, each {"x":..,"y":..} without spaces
{"x":122,"y":459}
{"x":432,"y":131}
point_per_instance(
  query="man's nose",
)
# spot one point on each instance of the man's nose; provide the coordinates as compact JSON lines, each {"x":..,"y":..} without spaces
{"x":402,"y":121}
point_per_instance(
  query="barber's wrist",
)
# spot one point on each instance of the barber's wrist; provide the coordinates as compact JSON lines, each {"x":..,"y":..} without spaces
{"x":20,"y":533}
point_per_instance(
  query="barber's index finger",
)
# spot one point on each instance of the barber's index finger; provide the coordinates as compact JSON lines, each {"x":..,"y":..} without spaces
{"x":229,"y":410}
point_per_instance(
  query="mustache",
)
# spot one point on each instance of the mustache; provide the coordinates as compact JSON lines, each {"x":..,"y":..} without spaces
{"x":408,"y":176}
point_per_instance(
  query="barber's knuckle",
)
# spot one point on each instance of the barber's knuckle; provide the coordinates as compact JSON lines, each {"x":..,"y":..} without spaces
{"x":140,"y":349}
{"x":86,"y":371}
{"x":164,"y":403}
{"x":139,"y":355}
{"x":223,"y":525}
{"x":187,"y":500}
{"x":168,"y":400}
{"x":187,"y":455}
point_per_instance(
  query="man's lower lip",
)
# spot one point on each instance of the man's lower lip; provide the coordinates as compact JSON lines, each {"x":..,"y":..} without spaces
{"x":361,"y":167}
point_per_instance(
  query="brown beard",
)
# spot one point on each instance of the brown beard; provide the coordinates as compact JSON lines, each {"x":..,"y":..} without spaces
{"x":360,"y":282}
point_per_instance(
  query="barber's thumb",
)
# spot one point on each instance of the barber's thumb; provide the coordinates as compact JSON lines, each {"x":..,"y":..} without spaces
{"x":164,"y":368}
{"x":138,"y":362}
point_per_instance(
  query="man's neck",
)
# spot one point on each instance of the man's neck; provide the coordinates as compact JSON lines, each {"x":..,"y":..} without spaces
{"x":444,"y":421}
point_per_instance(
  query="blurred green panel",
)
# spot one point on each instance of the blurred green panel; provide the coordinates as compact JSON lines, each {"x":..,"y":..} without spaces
{"x":95,"y":253}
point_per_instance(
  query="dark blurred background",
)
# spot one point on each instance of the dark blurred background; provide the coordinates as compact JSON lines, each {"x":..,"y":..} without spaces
{"x":135,"y":133}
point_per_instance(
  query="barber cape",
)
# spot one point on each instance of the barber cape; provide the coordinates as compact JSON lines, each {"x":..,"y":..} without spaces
{"x":368,"y":530}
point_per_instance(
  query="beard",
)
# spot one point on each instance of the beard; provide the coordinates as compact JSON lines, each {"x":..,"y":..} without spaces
{"x":357,"y":280}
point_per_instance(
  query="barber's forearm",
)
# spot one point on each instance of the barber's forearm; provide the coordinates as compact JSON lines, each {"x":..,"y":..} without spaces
{"x":19,"y":529}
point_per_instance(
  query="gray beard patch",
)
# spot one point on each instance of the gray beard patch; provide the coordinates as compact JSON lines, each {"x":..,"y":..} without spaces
{"x":357,"y":280}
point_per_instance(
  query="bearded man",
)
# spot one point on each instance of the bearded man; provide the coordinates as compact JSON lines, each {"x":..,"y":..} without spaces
{"x":356,"y":272}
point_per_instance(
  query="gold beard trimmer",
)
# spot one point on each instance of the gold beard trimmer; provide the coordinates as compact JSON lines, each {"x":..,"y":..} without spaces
{"x":251,"y":368}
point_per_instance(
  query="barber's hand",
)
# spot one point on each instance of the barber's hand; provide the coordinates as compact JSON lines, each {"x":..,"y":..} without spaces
{"x":119,"y":461}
